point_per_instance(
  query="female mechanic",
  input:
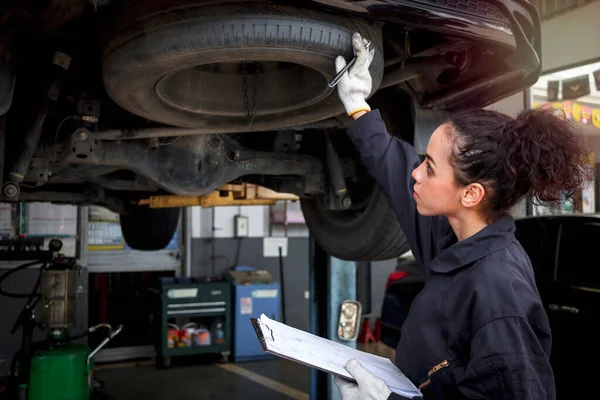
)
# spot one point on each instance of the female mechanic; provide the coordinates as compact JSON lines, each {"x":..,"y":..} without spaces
{"x":478,"y":329}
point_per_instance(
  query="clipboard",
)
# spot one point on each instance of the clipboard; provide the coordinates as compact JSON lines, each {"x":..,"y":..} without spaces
{"x":261,"y":339}
{"x":325,"y":355}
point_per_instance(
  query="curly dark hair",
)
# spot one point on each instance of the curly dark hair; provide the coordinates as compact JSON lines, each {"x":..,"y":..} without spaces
{"x":535,"y":154}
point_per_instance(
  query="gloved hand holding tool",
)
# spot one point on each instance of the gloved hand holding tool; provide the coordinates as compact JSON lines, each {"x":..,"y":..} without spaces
{"x":367,"y":386}
{"x":356,"y":83}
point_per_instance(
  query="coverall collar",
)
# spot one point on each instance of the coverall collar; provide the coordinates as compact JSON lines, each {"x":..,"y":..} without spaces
{"x":454,"y":254}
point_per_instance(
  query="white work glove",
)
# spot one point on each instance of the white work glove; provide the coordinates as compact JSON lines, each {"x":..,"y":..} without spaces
{"x":367,"y":386}
{"x":356,"y":83}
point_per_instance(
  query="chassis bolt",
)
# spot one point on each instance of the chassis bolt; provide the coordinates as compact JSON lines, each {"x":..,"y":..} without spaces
{"x":84,"y":135}
{"x":11,"y":190}
{"x":346,"y":202}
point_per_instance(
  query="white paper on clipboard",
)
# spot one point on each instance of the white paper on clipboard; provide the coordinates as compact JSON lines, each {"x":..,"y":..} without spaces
{"x":325,"y":355}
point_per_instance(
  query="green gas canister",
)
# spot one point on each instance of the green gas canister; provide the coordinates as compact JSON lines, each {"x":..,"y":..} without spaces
{"x":60,"y":373}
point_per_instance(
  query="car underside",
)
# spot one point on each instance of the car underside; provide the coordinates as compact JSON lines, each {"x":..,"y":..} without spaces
{"x":111,"y":102}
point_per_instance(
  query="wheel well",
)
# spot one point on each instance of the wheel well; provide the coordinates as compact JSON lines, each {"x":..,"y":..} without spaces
{"x":416,"y":124}
{"x":397,"y":111}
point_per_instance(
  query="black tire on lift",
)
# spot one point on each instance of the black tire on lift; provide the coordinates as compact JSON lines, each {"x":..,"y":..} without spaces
{"x":149,"y":229}
{"x":148,"y":48}
{"x":373,"y":235}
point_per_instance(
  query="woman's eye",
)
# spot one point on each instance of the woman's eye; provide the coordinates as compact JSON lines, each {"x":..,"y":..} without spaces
{"x":429,"y":169}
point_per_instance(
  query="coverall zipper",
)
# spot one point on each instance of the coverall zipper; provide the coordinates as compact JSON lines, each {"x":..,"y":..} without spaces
{"x":432,"y":371}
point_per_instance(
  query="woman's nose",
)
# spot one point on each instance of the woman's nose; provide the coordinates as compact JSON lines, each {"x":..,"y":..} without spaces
{"x":416,"y":174}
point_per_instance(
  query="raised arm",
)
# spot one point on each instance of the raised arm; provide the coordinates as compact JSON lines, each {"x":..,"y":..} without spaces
{"x":390,"y":161}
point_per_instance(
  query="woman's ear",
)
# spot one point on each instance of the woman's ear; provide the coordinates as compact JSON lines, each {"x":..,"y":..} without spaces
{"x":472,"y":195}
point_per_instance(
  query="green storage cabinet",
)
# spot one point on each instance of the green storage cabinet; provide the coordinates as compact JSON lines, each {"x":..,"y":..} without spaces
{"x":199,"y":302}
{"x":60,"y":373}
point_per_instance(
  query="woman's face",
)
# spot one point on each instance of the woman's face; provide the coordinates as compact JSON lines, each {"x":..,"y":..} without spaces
{"x":435,"y":190}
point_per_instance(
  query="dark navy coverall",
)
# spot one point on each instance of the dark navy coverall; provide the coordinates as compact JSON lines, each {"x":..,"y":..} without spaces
{"x":478,"y":329}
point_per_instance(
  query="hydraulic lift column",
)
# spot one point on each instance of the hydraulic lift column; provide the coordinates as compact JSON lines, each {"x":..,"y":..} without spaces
{"x":331,"y":282}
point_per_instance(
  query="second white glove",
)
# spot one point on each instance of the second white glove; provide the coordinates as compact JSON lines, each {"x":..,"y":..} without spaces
{"x":367,"y":386}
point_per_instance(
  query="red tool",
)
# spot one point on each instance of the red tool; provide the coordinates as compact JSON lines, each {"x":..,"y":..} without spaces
{"x":366,"y":335}
{"x":377,"y":330}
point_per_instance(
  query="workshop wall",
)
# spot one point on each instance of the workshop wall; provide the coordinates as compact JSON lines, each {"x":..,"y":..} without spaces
{"x":380,"y":271}
{"x":594,"y":144}
{"x":219,"y":221}
{"x":213,"y":257}
{"x":511,"y":105}
{"x":214,"y":249}
{"x":571,"y":38}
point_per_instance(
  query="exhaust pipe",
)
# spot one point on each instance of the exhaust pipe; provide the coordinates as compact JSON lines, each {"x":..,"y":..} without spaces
{"x":431,"y":68}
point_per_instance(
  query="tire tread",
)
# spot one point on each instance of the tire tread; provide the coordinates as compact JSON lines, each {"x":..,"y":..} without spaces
{"x":149,"y":229}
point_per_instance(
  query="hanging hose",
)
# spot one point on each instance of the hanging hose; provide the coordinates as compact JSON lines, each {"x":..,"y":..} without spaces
{"x":29,"y":295}
{"x":91,"y":330}
{"x":107,"y":326}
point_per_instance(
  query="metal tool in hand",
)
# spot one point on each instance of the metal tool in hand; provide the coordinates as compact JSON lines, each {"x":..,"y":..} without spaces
{"x":338,"y":77}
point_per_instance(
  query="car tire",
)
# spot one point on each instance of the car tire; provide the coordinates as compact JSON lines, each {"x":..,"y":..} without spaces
{"x":373,"y":233}
{"x":148,"y":62}
{"x":370,"y":235}
{"x":149,"y":229}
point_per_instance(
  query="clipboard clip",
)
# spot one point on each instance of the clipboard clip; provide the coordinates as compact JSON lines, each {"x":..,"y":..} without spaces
{"x":259,"y":332}
{"x":270,"y":330}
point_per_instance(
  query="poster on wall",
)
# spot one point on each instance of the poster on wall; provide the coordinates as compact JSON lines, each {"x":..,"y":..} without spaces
{"x":596,"y":117}
{"x":105,"y":236}
{"x":578,"y":112}
{"x":49,"y":220}
{"x":104,"y":230}
{"x":6,"y":227}
{"x":552,"y":91}
{"x":586,"y":114}
{"x":576,"y":87}
{"x":588,"y":198}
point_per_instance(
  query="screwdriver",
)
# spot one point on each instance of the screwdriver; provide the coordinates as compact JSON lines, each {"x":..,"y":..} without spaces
{"x":338,"y":77}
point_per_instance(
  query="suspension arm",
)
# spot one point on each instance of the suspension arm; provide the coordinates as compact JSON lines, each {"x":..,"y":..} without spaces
{"x":191,"y":165}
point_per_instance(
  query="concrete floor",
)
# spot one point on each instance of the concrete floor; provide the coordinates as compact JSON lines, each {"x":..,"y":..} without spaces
{"x":269,"y":380}
{"x":199,"y":379}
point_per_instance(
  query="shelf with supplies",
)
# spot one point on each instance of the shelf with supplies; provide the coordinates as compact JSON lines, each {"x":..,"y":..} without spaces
{"x":194,"y":318}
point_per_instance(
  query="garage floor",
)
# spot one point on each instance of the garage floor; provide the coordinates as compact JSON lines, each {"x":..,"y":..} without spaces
{"x":270,"y":379}
{"x":265,"y":380}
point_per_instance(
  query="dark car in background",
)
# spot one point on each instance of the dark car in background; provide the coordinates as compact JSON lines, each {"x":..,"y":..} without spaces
{"x":566,"y":264}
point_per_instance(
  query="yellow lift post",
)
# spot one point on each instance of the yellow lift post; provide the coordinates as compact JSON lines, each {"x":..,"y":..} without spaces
{"x":243,"y":194}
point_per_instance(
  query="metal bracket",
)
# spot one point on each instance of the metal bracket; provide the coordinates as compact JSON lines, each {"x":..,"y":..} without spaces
{"x":82,"y":144}
{"x":227,"y":195}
